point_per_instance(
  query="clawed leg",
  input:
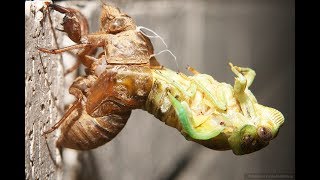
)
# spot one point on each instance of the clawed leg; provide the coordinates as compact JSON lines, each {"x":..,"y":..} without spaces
{"x":78,"y":89}
{"x":76,"y":105}
{"x":76,"y":26}
{"x":93,"y":42}
{"x":74,"y":23}
{"x":81,"y":58}
{"x":82,"y":55}
{"x":74,"y":67}
{"x":61,"y":50}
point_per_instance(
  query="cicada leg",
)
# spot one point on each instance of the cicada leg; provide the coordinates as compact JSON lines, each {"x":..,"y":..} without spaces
{"x":240,"y":83}
{"x":77,"y":29}
{"x":77,"y":89}
{"x":244,"y":79}
{"x":75,"y":106}
{"x":74,"y":23}
{"x":192,"y":70}
{"x":185,"y":117}
{"x":56,"y":126}
{"x":81,"y":56}
{"x":217,"y":101}
{"x":73,"y":68}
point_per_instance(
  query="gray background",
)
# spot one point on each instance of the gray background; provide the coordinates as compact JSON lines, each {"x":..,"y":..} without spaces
{"x":207,"y":35}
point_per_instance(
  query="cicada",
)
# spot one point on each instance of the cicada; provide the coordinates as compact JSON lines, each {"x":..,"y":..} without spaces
{"x":216,"y":115}
{"x":127,"y":76}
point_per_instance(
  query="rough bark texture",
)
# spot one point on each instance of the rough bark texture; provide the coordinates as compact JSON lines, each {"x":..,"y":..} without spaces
{"x":46,"y":94}
{"x":43,"y":95}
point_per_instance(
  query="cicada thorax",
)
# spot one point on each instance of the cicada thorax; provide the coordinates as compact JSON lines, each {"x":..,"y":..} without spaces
{"x":128,"y":47}
{"x":124,"y":43}
{"x":106,"y":105}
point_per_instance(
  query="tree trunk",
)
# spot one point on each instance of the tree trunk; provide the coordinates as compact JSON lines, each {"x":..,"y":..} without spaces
{"x":46,"y":95}
{"x":43,"y":96}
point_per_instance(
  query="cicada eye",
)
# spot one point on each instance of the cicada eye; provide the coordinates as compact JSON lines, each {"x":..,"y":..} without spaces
{"x":117,"y":25}
{"x":264,"y":133}
{"x":247,"y":139}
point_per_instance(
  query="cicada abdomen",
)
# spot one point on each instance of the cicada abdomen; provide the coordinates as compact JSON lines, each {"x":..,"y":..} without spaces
{"x":84,"y":132}
{"x":104,"y":105}
{"x":211,"y":113}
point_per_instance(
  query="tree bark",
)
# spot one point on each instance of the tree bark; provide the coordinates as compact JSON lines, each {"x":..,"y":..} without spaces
{"x":43,"y":96}
{"x":46,"y":94}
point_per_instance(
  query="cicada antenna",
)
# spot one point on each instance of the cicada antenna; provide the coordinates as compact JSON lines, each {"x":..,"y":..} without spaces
{"x":139,"y":28}
{"x":175,"y":58}
{"x":156,"y":35}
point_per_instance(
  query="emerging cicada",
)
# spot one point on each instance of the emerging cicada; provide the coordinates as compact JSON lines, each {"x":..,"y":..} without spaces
{"x":211,"y":113}
{"x":126,"y":76}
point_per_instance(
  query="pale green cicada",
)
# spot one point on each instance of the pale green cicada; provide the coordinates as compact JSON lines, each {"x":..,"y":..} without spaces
{"x":211,"y":113}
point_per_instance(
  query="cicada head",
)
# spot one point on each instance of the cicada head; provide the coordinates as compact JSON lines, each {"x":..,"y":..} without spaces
{"x":251,"y":138}
{"x":112,"y":21}
{"x":246,"y":140}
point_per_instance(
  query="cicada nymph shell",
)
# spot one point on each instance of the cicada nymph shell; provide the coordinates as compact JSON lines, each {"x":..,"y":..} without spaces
{"x":118,"y":80}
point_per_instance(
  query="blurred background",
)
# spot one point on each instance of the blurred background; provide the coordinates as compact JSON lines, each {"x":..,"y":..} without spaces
{"x":207,"y":35}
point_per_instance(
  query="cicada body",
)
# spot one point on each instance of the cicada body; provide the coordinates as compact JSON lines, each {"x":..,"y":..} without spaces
{"x":211,"y":113}
{"x":126,"y":76}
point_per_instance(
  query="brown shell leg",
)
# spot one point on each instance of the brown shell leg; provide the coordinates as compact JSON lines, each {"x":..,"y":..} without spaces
{"x":74,"y":23}
{"x":76,"y":105}
{"x":76,"y":26}
{"x":73,"y":68}
{"x":78,"y":89}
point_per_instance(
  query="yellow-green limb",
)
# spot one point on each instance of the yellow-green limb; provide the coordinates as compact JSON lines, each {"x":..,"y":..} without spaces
{"x":213,"y":99}
{"x":175,"y":84}
{"x":185,"y":116}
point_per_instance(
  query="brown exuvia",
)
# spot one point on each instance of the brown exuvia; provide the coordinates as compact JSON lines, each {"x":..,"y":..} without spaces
{"x":117,"y":81}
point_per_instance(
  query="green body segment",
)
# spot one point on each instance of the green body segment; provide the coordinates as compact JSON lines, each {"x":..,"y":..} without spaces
{"x":211,"y":113}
